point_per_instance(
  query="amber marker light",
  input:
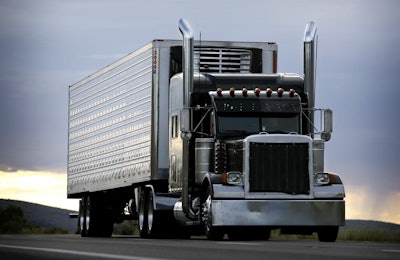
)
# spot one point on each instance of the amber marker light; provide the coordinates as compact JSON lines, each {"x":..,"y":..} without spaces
{"x":257,"y":91}
{"x":331,"y":178}
{"x":269,"y":92}
{"x":219,"y":92}
{"x":232,"y":91}
{"x":292,"y":92}
{"x":224,"y":177}
{"x":280,"y":92}
{"x":244,"y":92}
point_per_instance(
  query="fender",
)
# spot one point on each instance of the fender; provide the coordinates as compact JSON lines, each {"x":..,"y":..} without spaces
{"x":208,"y":181}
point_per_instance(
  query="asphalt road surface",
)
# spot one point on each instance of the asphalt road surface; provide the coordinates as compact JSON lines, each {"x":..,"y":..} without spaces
{"x":133,"y":248}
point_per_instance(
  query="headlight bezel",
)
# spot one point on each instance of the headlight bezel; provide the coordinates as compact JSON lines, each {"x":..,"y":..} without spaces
{"x":322,"y":178}
{"x":232,"y":178}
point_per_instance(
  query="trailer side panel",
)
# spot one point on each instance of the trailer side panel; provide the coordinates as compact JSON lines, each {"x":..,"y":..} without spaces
{"x":110,"y":116}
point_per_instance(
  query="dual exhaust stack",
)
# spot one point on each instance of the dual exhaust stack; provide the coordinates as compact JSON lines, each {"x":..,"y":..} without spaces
{"x":310,"y":60}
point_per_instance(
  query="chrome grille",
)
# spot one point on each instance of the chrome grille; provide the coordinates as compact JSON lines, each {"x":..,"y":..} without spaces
{"x":277,"y":167}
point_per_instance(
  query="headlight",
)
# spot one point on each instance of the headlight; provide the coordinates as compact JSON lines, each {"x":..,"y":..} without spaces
{"x":233,"y":178}
{"x":322,"y":178}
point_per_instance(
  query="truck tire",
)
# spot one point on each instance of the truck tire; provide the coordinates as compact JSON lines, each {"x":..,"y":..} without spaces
{"x":150,"y":220}
{"x":263,"y":233}
{"x":82,"y":217}
{"x":98,"y":221}
{"x":212,"y":232}
{"x":328,"y":234}
{"x":142,"y":215}
{"x":249,"y":233}
{"x":153,"y":218}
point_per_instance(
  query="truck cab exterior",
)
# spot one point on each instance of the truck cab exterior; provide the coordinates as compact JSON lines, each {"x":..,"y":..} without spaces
{"x":202,"y":136}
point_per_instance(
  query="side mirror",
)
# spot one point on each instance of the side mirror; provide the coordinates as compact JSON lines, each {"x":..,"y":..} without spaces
{"x":328,"y":125}
{"x":185,"y":123}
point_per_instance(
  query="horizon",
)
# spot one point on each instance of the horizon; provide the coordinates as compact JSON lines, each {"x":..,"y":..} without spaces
{"x":72,"y":211}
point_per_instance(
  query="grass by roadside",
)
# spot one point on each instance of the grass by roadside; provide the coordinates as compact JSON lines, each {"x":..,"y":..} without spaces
{"x":376,"y":235}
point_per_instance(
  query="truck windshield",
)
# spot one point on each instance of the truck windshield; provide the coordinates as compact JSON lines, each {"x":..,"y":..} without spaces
{"x":270,"y":123}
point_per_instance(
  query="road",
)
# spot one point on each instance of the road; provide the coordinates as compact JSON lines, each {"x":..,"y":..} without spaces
{"x":133,"y":248}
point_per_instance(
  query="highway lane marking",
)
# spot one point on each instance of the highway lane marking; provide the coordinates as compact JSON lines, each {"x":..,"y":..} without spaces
{"x":241,"y":243}
{"x":391,"y":250}
{"x":80,"y":253}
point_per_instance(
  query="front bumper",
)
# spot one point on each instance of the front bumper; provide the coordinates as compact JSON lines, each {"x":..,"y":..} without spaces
{"x":278,"y":212}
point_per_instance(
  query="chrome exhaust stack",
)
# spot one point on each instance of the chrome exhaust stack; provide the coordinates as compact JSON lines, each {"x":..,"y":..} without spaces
{"x":310,"y":66}
{"x":187,"y":53}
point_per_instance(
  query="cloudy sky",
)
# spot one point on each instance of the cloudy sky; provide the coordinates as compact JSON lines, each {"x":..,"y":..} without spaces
{"x":46,"y":45}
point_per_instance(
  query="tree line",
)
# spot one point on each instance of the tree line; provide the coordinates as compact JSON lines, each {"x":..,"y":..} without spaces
{"x":13,"y":221}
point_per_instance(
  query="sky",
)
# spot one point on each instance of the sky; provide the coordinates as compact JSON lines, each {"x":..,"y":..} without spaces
{"x":47,"y":45}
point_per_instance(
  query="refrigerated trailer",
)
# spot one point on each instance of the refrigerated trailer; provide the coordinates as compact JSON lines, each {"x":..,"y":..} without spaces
{"x":189,"y":137}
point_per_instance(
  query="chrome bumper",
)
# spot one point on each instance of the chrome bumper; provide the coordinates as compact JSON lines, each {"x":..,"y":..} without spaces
{"x":278,"y":212}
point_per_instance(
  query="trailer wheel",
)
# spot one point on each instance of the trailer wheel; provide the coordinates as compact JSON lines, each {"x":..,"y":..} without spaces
{"x":142,"y":215}
{"x":98,"y":221}
{"x":82,"y":217}
{"x":153,"y":219}
{"x":149,"y":222}
{"x":89,"y":215}
{"x":328,"y":234}
{"x":212,"y":233}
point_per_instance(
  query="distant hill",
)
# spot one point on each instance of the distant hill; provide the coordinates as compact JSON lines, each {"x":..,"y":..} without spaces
{"x":371,"y":224}
{"x":44,"y":216}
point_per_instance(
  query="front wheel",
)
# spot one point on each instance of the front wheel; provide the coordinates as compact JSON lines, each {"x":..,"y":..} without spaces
{"x":212,"y":232}
{"x":328,"y":234}
{"x":249,"y":233}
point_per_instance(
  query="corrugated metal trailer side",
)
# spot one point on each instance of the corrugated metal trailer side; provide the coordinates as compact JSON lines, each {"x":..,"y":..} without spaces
{"x":110,"y":138}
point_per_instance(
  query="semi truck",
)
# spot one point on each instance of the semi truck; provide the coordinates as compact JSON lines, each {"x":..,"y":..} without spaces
{"x":192,"y":137}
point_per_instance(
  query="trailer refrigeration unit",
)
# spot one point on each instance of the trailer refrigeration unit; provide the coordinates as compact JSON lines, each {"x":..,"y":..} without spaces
{"x":192,"y":136}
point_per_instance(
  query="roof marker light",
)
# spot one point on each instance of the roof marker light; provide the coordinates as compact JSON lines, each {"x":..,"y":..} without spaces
{"x":244,"y":91}
{"x":232,"y":92}
{"x":280,"y":92}
{"x":292,"y":92}
{"x":257,"y":91}
{"x":269,"y":92}
{"x":219,"y":92}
